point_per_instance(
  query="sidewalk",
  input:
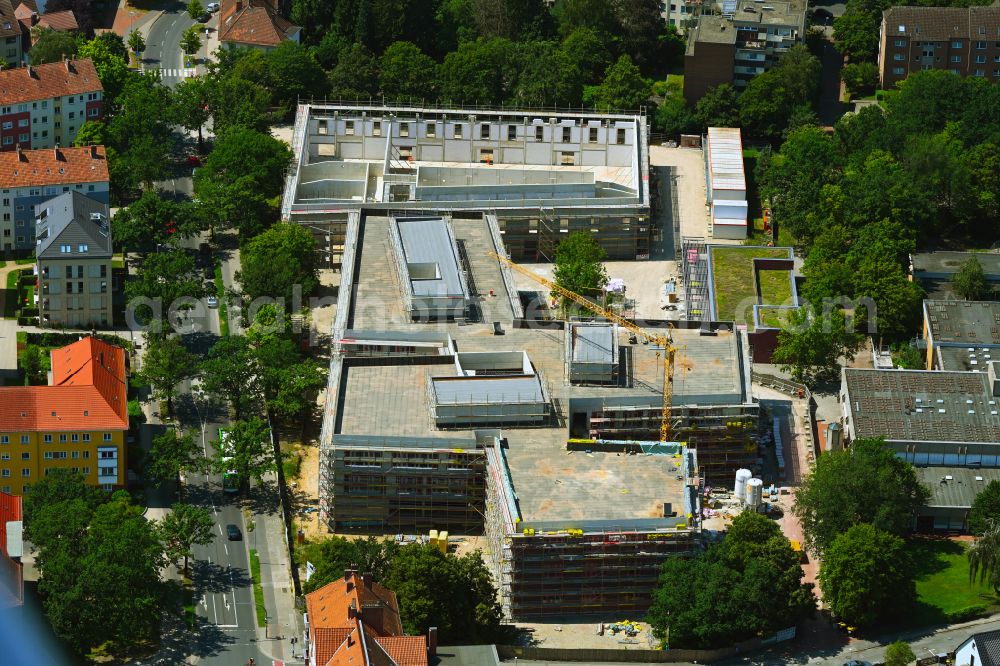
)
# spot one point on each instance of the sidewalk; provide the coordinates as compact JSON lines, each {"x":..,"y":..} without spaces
{"x":129,"y":18}
{"x":284,"y":621}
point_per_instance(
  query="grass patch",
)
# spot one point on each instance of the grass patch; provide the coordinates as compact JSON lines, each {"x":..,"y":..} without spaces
{"x":27,"y":261}
{"x":258,"y":591}
{"x":733,"y":274}
{"x":190,"y":614}
{"x":220,"y":292}
{"x":775,"y":287}
{"x":944,"y":593}
{"x":775,"y":317}
{"x":291,"y":465}
{"x":12,"y":279}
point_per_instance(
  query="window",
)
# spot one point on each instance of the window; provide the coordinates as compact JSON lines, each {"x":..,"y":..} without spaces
{"x":4,"y":456}
{"x":45,"y":104}
{"x":980,"y":59}
{"x":431,"y":131}
{"x":106,"y":455}
{"x":897,"y":56}
{"x":24,"y":439}
{"x":484,"y":131}
{"x":72,"y":114}
{"x":486,"y":156}
{"x":47,"y":439}
{"x":65,"y":249}
{"x":62,"y":439}
{"x":85,"y":471}
{"x":86,"y":455}
{"x":107,"y":471}
{"x":47,"y":455}
{"x":5,"y":473}
{"x":956,"y":45}
{"x":593,"y":135}
{"x":24,"y":138}
{"x":512,"y":132}
{"x":567,"y":158}
{"x":8,"y":124}
{"x":86,"y":436}
{"x":107,"y":437}
{"x":23,"y":122}
{"x":8,"y":140}
{"x":900,"y":42}
{"x":83,"y":248}
{"x":620,"y":138}
{"x":75,"y":437}
{"x":25,"y":455}
{"x":377,"y":128}
{"x":25,"y":472}
{"x":6,"y":489}
{"x":980,"y":72}
{"x":76,"y":454}
{"x":956,"y":58}
{"x":539,"y":132}
{"x":69,"y":287}
{"x":458,"y":131}
{"x":348,"y":127}
{"x":566,"y":134}
{"x":897,"y":70}
{"x":404,"y":129}
{"x":104,"y":270}
{"x":4,"y":439}
{"x":980,"y":46}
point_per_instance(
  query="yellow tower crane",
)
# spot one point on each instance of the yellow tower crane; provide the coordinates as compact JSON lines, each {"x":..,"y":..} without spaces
{"x":662,"y":340}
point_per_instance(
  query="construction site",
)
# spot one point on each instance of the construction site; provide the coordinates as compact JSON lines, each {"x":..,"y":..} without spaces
{"x":576,"y":447}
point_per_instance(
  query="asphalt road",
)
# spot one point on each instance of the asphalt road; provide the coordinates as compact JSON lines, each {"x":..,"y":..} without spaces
{"x":163,"y":43}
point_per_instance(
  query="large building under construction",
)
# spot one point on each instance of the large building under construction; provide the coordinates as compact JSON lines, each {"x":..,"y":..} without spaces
{"x":542,"y":174}
{"x":444,"y":424}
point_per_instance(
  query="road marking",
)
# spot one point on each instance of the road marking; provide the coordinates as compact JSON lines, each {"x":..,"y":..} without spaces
{"x":226,"y":547}
{"x":220,"y":529}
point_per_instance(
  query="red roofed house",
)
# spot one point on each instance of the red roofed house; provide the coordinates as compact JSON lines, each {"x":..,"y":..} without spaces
{"x":77,"y":422}
{"x":355,"y":621}
{"x":27,"y":15}
{"x":44,"y":106}
{"x":254,"y":23}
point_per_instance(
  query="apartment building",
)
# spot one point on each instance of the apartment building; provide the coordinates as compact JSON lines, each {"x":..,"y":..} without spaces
{"x":30,"y":177}
{"x":77,"y":422}
{"x":44,"y":106}
{"x":962,"y":40}
{"x":738,"y":45}
{"x":74,"y":261}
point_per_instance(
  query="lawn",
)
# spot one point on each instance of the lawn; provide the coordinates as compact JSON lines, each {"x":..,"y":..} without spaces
{"x":732,"y":270}
{"x":775,"y":287}
{"x":774,"y":317}
{"x":944,"y":593}
{"x":258,"y":591}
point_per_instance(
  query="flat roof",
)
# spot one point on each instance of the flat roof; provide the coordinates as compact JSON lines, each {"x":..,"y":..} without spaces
{"x":780,"y":12}
{"x":922,"y":405}
{"x":947,"y":263}
{"x":725,"y":158}
{"x":966,"y":323}
{"x":959,"y":490}
{"x":593,"y":343}
{"x":428,"y":242}
{"x":421,"y":443}
{"x":963,"y":358}
{"x":517,"y":390}
{"x":712,"y":30}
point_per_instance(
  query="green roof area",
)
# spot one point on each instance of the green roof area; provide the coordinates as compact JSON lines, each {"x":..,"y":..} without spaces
{"x":733,"y":281}
{"x":775,"y":317}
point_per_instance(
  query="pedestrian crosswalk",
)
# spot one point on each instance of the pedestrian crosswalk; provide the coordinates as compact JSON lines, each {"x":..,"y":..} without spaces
{"x":171,"y":73}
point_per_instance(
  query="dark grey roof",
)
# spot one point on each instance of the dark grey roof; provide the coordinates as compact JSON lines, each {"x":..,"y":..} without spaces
{"x":943,"y":23}
{"x":69,"y":220}
{"x":922,"y":406}
{"x":988,"y":646}
{"x":593,"y":343}
{"x":946,"y":264}
{"x":466,"y":655}
{"x":966,"y":323}
{"x":955,"y":486}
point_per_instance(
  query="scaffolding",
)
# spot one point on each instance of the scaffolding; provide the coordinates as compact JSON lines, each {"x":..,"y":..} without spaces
{"x":697,"y":283}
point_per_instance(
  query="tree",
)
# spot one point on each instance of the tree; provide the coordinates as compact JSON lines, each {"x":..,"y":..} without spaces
{"x":230,"y":374}
{"x":110,"y":63}
{"x":866,"y":483}
{"x":454,"y":594}
{"x":355,"y":75}
{"x":58,"y":486}
{"x":856,"y":31}
{"x":139,"y":130}
{"x":984,"y":556}
{"x":748,"y":585}
{"x":333,"y":556}
{"x":509,"y":19}
{"x":152,"y":220}
{"x":898,"y":654}
{"x":91,"y":133}
{"x":242,"y":153}
{"x":674,"y":117}
{"x":165,"y":364}
{"x":280,"y":263}
{"x":578,"y":266}
{"x":767,"y":103}
{"x":481,"y":71}
{"x":592,"y":15}
{"x":861,"y":78}
{"x":623,"y":88}
{"x":163,"y":278}
{"x":191,"y":105}
{"x":812,"y":345}
{"x":288,"y":382}
{"x":182,"y":528}
{"x":251,"y":453}
{"x":294,"y":74}
{"x":236,"y":103}
{"x":53,"y":46}
{"x":190,"y":40}
{"x":718,"y":107}
{"x":639,"y":29}
{"x":171,"y":455}
{"x":866,"y":575}
{"x":406,"y":72}
{"x":549,"y":77}
{"x":985,"y":508}
{"x":195,"y":9}
{"x":970,"y":281}
{"x":136,"y":42}
{"x":589,"y":50}
{"x":31,"y":363}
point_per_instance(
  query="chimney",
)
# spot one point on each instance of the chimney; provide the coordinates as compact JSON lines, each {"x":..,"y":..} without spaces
{"x":31,"y":73}
{"x":21,"y":157}
{"x":366,"y":578}
{"x":432,"y":641}
{"x":239,"y":6}
{"x":57,"y":154}
{"x":93,"y":152}
{"x":350,"y":642}
{"x":352,"y":612}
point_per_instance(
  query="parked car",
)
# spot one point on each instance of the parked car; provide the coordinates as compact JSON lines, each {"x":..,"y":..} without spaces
{"x":204,"y":18}
{"x":193,"y":161}
{"x":212,"y":302}
{"x":233,"y":533}
{"x":213,"y":7}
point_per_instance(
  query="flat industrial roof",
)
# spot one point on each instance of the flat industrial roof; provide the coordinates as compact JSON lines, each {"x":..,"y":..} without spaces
{"x":429,"y":241}
{"x":960,"y":357}
{"x":922,"y":405}
{"x":725,"y":158}
{"x":967,"y":323}
{"x":593,"y":343}
{"x":388,"y":442}
{"x":944,"y":264}
{"x":959,"y":490}
{"x":515,"y":390}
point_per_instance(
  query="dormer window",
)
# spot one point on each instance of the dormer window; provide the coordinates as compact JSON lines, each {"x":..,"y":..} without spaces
{"x":82,"y":248}
{"x":902,"y":28}
{"x":65,"y":249}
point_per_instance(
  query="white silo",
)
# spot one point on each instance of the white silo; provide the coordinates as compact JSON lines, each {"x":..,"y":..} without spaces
{"x":754,"y":493}
{"x":740,"y":490}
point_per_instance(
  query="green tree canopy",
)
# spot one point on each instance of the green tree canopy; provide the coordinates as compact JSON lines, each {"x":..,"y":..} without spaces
{"x":406,"y":72}
{"x":58,"y":486}
{"x":111,"y":65}
{"x":191,"y":104}
{"x":813,"y":343}
{"x":171,"y":455}
{"x":230,"y":374}
{"x":985,"y":508}
{"x":856,"y":31}
{"x":748,"y":585}
{"x":252,"y":455}
{"x":165,"y":364}
{"x":984,"y":556}
{"x":278,"y":263}
{"x":181,"y":529}
{"x":294,"y":74}
{"x":899,"y":653}
{"x":622,"y":89}
{"x":970,"y":281}
{"x":243,"y":153}
{"x":136,"y":42}
{"x":578,"y":265}
{"x":53,"y":46}
{"x":866,"y":483}
{"x":718,"y":107}
{"x":866,"y":575}
{"x":191,"y":39}
{"x":165,"y":277}
{"x":334,"y":555}
{"x":770,"y":99}
{"x":195,"y":9}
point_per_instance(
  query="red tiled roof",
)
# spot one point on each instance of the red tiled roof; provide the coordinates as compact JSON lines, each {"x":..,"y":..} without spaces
{"x":405,"y":650}
{"x":64,"y":20}
{"x":32,"y":168}
{"x":88,"y":392}
{"x":54,"y":79}
{"x":255,"y":22}
{"x":23,"y":11}
{"x":326,"y":642}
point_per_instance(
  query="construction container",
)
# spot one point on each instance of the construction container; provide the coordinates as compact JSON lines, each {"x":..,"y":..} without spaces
{"x":443,"y":542}
{"x":740,"y":489}
{"x":754,"y":493}
{"x":434,"y":538}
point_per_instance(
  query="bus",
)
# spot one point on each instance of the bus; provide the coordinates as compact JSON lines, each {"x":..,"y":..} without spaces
{"x":230,"y":477}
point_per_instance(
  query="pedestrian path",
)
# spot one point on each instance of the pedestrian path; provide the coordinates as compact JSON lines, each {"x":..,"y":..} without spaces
{"x":172,"y":73}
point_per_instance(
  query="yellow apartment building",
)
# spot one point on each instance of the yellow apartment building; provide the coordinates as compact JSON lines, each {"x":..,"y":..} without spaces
{"x":77,"y":422}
